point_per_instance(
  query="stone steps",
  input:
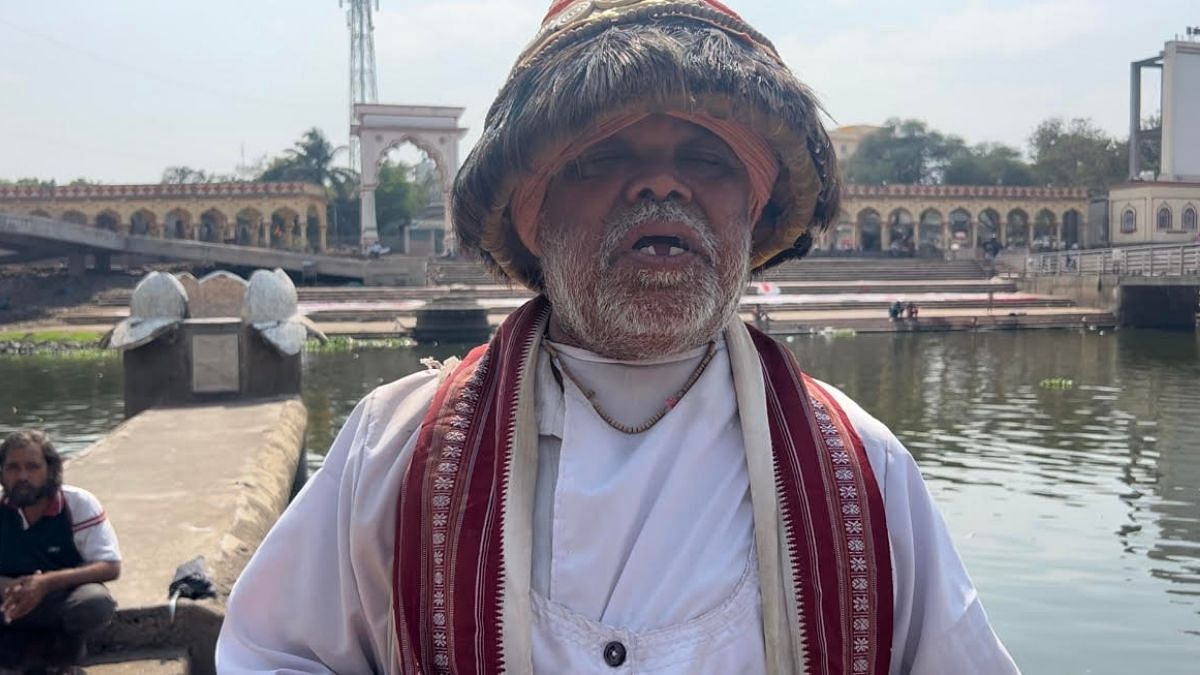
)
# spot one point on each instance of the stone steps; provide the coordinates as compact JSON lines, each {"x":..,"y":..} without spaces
{"x":1092,"y":321}
{"x":807,"y":287}
{"x":813,"y":269}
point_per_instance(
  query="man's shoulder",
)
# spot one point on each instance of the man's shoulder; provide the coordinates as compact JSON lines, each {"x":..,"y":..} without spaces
{"x":83,"y":505}
{"x":865,"y":424}
{"x":881,"y":445}
{"x":415,"y":390}
{"x":392,"y":411}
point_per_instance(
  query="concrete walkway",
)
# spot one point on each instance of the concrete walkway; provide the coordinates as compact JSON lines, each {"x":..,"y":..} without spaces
{"x":181,"y":482}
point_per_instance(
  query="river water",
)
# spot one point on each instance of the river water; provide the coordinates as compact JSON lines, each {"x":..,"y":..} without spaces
{"x":1077,"y":509}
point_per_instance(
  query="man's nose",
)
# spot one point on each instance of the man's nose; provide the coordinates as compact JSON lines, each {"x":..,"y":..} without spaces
{"x":659,"y":182}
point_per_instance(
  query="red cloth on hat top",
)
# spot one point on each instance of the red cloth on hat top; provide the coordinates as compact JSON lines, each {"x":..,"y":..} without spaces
{"x":560,"y":5}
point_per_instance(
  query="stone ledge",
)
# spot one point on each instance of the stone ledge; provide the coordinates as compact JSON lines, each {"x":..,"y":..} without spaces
{"x":182,"y":482}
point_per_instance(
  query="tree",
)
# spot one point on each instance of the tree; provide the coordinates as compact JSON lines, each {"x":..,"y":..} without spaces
{"x":1151,"y":143}
{"x":28,"y":182}
{"x":397,"y":198}
{"x":1077,"y":154}
{"x":186,"y":175}
{"x":311,"y":160}
{"x":989,"y":164}
{"x":905,"y":152}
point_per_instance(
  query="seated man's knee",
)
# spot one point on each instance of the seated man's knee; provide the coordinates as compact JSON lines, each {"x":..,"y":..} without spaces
{"x":88,"y":608}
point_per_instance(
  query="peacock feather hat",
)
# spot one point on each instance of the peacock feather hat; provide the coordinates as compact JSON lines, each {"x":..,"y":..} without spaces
{"x":597,"y":60}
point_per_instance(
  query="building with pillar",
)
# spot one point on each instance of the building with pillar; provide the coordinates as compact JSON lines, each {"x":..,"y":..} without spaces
{"x":290,"y":216}
{"x":937,"y":219}
{"x":1165,"y":208}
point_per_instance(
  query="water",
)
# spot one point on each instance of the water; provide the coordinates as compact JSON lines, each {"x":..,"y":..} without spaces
{"x":1077,"y":511}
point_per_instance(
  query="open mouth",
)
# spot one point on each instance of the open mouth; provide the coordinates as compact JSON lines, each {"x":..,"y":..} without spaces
{"x":662,"y":246}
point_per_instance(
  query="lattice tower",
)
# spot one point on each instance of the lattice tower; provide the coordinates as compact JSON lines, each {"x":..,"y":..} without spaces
{"x":363,"y":88}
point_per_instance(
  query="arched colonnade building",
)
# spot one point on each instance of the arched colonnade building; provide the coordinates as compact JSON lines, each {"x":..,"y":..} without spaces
{"x":932,"y":219}
{"x":287,"y":216}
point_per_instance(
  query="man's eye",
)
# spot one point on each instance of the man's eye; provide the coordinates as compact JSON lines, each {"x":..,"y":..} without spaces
{"x":706,"y":163}
{"x":593,"y":166}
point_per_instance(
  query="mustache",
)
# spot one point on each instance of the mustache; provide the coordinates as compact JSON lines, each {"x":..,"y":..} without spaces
{"x":649,"y":210}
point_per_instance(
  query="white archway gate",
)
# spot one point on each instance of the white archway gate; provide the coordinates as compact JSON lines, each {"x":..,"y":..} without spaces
{"x":432,"y":129}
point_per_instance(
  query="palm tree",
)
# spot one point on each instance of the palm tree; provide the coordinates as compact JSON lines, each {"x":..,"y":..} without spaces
{"x":311,"y":160}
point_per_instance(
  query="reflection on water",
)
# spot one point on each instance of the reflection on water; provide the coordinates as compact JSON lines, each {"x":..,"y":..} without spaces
{"x":77,"y":399}
{"x":1078,"y":510}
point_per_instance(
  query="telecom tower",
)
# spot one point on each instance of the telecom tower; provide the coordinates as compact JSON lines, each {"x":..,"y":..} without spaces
{"x":363,"y":88}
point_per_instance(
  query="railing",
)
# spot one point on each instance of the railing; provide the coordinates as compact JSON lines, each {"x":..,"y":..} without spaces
{"x":1171,"y":260}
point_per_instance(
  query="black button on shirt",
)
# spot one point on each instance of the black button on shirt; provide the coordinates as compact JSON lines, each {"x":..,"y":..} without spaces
{"x":614,"y":654}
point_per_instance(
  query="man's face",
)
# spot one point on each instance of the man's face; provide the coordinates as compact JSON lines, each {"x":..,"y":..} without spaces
{"x":26,"y":478}
{"x":645,"y":238}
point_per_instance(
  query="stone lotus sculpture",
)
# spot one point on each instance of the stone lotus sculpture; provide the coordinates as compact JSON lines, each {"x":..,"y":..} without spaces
{"x":268,"y":303}
{"x":272,"y":308}
{"x":158,"y":306}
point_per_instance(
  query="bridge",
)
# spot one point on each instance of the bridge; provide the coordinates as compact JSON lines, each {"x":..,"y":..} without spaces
{"x":33,"y":237}
{"x":1146,"y":286}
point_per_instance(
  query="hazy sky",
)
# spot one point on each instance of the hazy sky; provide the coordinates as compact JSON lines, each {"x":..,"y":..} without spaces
{"x":117,"y":90}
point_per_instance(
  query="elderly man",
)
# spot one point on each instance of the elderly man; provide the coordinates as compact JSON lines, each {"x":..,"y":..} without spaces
{"x":627,"y":478}
{"x":57,"y":548}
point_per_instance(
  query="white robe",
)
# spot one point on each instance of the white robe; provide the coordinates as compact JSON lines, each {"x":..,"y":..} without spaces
{"x":643,"y":540}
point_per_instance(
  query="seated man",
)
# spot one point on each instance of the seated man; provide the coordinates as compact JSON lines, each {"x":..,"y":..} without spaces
{"x":56,"y":550}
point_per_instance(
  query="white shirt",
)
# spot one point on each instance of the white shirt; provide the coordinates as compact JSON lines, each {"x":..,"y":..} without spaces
{"x":94,"y":536}
{"x":646,"y":540}
{"x":612,"y":555}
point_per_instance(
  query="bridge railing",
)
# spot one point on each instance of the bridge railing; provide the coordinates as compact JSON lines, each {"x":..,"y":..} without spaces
{"x":1150,"y":261}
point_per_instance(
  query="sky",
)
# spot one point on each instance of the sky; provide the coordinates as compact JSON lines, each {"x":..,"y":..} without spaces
{"x":118,"y":90}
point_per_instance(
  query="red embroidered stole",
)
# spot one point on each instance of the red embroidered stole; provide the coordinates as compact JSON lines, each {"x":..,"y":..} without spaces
{"x":448,"y":565}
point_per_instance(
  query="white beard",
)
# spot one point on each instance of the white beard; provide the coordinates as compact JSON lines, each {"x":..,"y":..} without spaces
{"x":607,"y":310}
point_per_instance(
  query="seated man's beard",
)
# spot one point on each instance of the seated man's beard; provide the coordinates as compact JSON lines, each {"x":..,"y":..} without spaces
{"x":25,"y":494}
{"x":629,"y":314}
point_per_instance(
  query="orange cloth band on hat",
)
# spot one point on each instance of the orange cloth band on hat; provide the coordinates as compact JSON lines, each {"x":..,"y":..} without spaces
{"x":762,"y":167}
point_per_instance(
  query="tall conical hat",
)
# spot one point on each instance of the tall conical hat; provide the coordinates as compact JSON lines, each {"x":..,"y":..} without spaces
{"x":594,"y":61}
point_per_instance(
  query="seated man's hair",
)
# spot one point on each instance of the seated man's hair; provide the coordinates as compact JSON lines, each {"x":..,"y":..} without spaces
{"x":38,"y":440}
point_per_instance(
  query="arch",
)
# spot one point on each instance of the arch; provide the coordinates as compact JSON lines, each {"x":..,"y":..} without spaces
{"x":989,"y":227}
{"x":1190,"y":219}
{"x":1128,"y":220}
{"x":1016,"y":228}
{"x":960,"y":227}
{"x":930,"y":231}
{"x":144,"y":223}
{"x":249,"y":224}
{"x":901,"y":228}
{"x":108,"y":220}
{"x":178,"y":225}
{"x":380,"y":128}
{"x":1045,"y":231}
{"x":870,"y":230}
{"x":1072,"y":229}
{"x":283,"y":222}
{"x":39,"y":213}
{"x":842,"y":236}
{"x":213,"y":226}
{"x":445,"y":174}
{"x":1164,"y":221}
{"x":77,"y":217}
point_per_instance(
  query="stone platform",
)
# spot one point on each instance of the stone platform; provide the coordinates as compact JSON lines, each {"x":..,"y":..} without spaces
{"x":181,"y":482}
